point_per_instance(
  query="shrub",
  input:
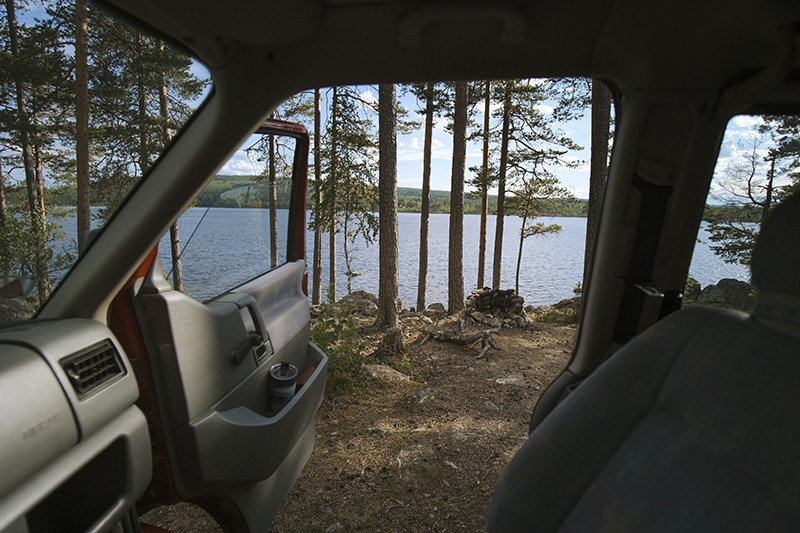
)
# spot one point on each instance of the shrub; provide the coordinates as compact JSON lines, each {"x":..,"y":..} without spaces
{"x":339,"y":337}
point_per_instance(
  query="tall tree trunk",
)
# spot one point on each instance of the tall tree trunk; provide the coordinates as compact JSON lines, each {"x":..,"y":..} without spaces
{"x":316,"y":291}
{"x":455,"y":286}
{"x":422,"y":286}
{"x":144,"y":157}
{"x":345,"y":233}
{"x":601,"y":124}
{"x":174,"y":237}
{"x":387,"y":190}
{"x":82,"y":122}
{"x":28,"y":163}
{"x":501,"y":192}
{"x":42,"y":253}
{"x":332,"y":175}
{"x":519,"y":251}
{"x":273,"y":204}
{"x":484,"y":187}
{"x":768,"y":199}
{"x":5,"y":260}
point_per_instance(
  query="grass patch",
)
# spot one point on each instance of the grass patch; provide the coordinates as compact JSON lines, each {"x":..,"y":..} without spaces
{"x":338,"y":336}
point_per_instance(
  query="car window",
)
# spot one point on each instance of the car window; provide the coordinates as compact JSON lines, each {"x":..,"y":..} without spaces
{"x":756,"y":170}
{"x":238,"y":226}
{"x":81,"y":125}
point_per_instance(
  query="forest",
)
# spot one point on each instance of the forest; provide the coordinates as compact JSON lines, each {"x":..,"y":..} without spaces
{"x":255,"y":195}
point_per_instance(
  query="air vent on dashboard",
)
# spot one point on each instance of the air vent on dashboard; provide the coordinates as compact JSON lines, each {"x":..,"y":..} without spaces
{"x":93,"y":368}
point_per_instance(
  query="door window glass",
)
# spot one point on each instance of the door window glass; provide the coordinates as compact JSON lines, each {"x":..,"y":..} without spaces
{"x":238,"y":227}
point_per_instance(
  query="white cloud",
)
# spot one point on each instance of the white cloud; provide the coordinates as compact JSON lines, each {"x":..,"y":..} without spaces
{"x":546,"y":109}
{"x":240,"y":165}
{"x":745,"y":122}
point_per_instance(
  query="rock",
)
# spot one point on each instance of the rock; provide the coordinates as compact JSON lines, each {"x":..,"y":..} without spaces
{"x":490,"y":406}
{"x":315,"y":310}
{"x":401,"y":307}
{"x":335,"y":527}
{"x":15,"y":309}
{"x":512,"y":379}
{"x":360,"y":302}
{"x":420,"y":395}
{"x":362,"y":295}
{"x":493,"y":321}
{"x":691,"y":290}
{"x":435,"y":310}
{"x":573,"y":304}
{"x":385,"y":372}
{"x":729,"y":293}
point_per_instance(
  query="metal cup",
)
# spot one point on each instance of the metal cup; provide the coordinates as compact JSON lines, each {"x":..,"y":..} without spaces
{"x":282,"y":384}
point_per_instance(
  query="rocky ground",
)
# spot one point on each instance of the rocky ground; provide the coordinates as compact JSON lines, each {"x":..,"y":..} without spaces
{"x":416,"y":454}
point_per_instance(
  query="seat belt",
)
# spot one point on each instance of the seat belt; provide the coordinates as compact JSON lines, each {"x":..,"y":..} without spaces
{"x":639,"y":283}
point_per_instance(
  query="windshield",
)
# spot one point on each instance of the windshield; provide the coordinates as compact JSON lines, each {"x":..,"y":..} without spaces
{"x":88,"y":105}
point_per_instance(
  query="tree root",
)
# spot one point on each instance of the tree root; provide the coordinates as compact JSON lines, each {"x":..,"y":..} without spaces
{"x":457,"y":335}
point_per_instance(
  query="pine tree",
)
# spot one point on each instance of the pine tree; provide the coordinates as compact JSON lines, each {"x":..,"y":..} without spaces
{"x":434,"y":97}
{"x":387,"y":292}
{"x":349,"y":190}
{"x":455,"y":290}
{"x":316,"y":293}
{"x":529,"y":145}
{"x":750,"y":190}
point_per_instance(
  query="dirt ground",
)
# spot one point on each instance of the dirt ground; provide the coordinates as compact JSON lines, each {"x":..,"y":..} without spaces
{"x":421,"y":455}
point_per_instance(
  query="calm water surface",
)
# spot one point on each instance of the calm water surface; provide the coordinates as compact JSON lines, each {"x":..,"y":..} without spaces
{"x":232,"y":245}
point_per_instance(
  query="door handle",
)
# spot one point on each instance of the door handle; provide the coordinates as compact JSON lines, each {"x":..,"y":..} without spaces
{"x":253,"y":339}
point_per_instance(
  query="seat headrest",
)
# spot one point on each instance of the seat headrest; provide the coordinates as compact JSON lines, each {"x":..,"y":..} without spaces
{"x":775,"y":263}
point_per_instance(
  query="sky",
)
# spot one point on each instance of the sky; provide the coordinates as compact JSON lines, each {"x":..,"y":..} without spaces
{"x":410,"y":150}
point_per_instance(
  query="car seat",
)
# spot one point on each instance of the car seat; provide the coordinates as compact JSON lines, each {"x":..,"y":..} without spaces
{"x":692,"y":426}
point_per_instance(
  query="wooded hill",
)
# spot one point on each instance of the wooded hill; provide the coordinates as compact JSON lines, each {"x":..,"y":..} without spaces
{"x":242,"y":191}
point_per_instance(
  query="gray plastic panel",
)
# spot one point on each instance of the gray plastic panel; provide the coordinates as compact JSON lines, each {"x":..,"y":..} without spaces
{"x":129,"y":426}
{"x":212,"y":447}
{"x":281,"y":301}
{"x":66,"y":437}
{"x":54,"y":340}
{"x":37,"y":423}
{"x":261,"y":502}
{"x":195,"y":342}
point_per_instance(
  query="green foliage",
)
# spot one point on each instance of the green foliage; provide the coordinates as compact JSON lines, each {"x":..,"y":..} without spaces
{"x":403,"y":365}
{"x":577,"y":289}
{"x":338,"y":336}
{"x":750,"y":189}
{"x":38,"y":130}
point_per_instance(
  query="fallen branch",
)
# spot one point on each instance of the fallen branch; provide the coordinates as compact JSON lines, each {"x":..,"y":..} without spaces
{"x":457,"y":335}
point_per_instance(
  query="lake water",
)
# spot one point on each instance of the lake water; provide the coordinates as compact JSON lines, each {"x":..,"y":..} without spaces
{"x":231,"y":246}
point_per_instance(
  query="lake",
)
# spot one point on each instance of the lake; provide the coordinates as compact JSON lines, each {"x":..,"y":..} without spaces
{"x":229,"y":245}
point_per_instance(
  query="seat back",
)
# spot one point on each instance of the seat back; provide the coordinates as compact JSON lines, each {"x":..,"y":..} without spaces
{"x":690,"y":426}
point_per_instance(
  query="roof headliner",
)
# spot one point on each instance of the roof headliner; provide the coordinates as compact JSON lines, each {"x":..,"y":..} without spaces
{"x":685,"y":44}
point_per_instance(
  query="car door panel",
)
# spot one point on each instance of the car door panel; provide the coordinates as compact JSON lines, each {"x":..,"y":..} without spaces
{"x":222,"y":429}
{"x":229,"y":447}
